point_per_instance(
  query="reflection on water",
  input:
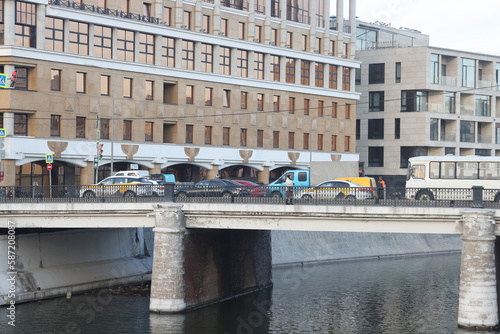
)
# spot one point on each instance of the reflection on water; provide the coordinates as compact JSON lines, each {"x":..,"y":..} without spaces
{"x":405,"y":295}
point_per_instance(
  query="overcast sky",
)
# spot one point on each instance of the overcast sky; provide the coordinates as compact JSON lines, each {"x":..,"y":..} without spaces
{"x":453,"y":24}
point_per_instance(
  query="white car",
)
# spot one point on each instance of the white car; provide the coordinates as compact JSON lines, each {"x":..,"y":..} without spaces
{"x":335,"y":189}
{"x":125,"y":186}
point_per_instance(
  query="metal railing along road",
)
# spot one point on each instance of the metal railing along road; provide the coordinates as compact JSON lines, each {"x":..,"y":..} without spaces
{"x":261,"y":194}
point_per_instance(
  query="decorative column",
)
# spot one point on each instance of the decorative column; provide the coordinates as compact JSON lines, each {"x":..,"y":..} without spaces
{"x":477,"y":306}
{"x":167,"y":283}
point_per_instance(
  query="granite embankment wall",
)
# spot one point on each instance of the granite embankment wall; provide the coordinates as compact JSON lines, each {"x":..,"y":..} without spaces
{"x":292,"y":247}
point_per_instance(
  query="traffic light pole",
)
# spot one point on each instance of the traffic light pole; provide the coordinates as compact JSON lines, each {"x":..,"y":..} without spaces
{"x":96,"y":158}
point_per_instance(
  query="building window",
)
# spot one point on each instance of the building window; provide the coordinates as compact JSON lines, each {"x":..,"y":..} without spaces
{"x":21,"y":124}
{"x":208,"y":135}
{"x":148,"y":88}
{"x":334,"y":109}
{"x":259,"y":65}
{"x":334,"y":142}
{"x":467,"y":131}
{"x":127,"y":88}
{"x":332,"y":77}
{"x":290,"y":70}
{"x":225,"y":60}
{"x":375,"y":129}
{"x":414,"y":100}
{"x":167,"y":16}
{"x":105,"y":80}
{"x":55,"y":80}
{"x":186,"y":20}
{"x":188,"y":55}
{"x":146,"y":48}
{"x":189,"y":94}
{"x":148,"y":131}
{"x":346,"y":78}
{"x":468,"y":72}
{"x":78,"y":38}
{"x":81,"y":82}
{"x":25,"y":30}
{"x":321,"y":108}
{"x":274,"y":62}
{"x":482,"y":105}
{"x":243,"y":137}
{"x":398,"y":72}
{"x":320,"y":142}
{"x":258,"y":32}
{"x":205,"y":24}
{"x":307,"y":104}
{"x":244,"y":100}
{"x":305,"y":141}
{"x":434,"y":68}
{"x":376,"y":73}
{"x":274,"y":36}
{"x":397,"y":128}
{"x":276,"y":103}
{"x":207,"y":58}
{"x":434,"y":129}
{"x":226,"y":136}
{"x":125,"y":42}
{"x":55,"y":125}
{"x":80,"y":127}
{"x":226,"y":98}
{"x":241,"y":30}
{"x":291,"y":105}
{"x":289,"y":39}
{"x":291,"y":140}
{"x":54,"y":34}
{"x":320,"y":74}
{"x":189,"y":133}
{"x":376,"y":101}
{"x":305,"y":67}
{"x":260,"y":138}
{"x":104,"y":125}
{"x":103,"y":41}
{"x":449,"y":103}
{"x":127,"y":130}
{"x":375,"y":156}
{"x":347,"y":111}
{"x":260,"y":102}
{"x":304,"y":43}
{"x":168,"y":52}
{"x":242,"y":63}
{"x":358,"y":129}
{"x":276,"y":139}
{"x":224,"y":27}
{"x":406,"y":152}
{"x":208,"y":96}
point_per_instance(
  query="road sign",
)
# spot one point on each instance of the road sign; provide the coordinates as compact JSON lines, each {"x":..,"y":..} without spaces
{"x":49,"y":167}
{"x":3,"y":133}
{"x":3,"y":80}
{"x":49,"y":158}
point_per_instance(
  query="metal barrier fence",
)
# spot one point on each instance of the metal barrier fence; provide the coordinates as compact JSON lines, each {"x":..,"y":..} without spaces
{"x":474,"y":197}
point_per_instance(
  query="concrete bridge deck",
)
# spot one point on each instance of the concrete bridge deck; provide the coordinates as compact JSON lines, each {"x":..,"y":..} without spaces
{"x":436,"y":220}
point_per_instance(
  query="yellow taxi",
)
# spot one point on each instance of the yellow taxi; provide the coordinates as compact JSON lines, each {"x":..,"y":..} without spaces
{"x":125,"y":186}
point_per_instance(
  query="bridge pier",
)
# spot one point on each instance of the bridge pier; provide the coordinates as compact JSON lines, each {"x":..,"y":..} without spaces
{"x":478,"y":306}
{"x":167,"y":283}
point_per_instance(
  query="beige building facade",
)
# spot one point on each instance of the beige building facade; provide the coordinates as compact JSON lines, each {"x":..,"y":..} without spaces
{"x":422,"y":100}
{"x":197,"y":88}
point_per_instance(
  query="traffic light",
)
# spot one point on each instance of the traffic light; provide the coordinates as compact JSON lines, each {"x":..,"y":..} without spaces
{"x":100,"y":150}
{"x":96,"y":163}
{"x":2,"y":174}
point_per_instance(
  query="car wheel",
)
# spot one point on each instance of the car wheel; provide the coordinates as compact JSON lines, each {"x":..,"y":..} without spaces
{"x":129,"y":194}
{"x":227,"y":196}
{"x":181,"y":197}
{"x":425,"y":195}
{"x":276,"y":194}
{"x":89,"y":194}
{"x":307,"y":197}
{"x":350,"y":197}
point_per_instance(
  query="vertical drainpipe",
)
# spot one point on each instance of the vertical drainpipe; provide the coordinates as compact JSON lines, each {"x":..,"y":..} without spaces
{"x":478,"y":308}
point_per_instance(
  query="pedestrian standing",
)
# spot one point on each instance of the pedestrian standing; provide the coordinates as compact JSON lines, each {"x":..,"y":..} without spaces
{"x":381,"y":187}
{"x":289,"y":189}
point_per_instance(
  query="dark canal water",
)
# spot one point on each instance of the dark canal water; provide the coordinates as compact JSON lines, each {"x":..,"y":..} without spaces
{"x":403,"y":295}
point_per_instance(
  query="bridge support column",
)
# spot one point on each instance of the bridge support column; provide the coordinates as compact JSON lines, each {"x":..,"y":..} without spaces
{"x":167,"y":282}
{"x":478,"y":308}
